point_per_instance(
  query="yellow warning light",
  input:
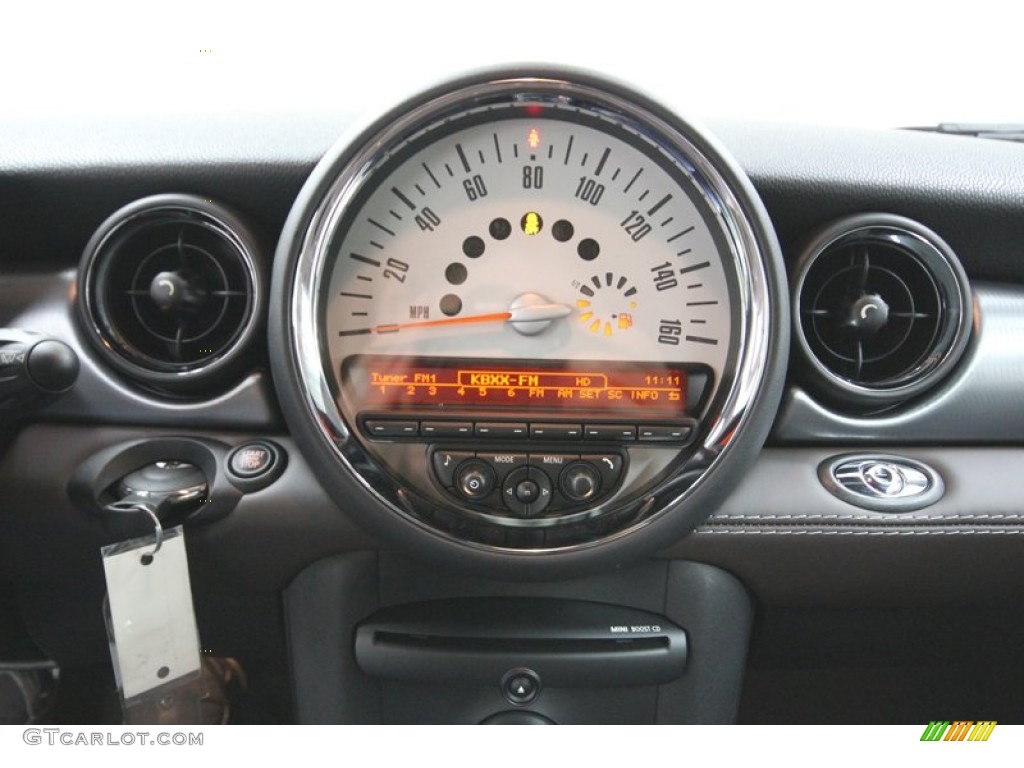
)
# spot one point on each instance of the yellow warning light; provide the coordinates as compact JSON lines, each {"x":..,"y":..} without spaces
{"x":607,"y":329}
{"x":533,"y":139}
{"x":531,"y":223}
{"x":625,"y":321}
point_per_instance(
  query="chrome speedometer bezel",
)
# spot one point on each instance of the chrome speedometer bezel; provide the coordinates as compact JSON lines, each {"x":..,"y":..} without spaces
{"x":741,"y":414}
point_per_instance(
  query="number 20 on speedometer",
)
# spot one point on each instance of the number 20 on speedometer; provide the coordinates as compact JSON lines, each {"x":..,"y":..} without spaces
{"x":530,"y":232}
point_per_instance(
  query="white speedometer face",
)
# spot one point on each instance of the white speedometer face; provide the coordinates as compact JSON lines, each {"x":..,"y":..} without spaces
{"x":529,"y":232}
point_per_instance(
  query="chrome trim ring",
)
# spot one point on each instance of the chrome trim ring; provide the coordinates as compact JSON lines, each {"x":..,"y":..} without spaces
{"x":741,"y":410}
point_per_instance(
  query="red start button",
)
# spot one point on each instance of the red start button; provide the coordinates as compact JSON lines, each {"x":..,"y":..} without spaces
{"x":252,"y":460}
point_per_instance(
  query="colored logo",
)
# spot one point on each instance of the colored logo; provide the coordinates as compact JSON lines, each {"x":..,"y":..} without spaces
{"x":959,"y":730}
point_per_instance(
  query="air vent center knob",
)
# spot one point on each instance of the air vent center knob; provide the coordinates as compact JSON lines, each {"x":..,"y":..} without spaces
{"x":173,"y":291}
{"x":868,"y":315}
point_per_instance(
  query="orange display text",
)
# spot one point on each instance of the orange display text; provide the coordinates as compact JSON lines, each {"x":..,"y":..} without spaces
{"x":593,"y":387}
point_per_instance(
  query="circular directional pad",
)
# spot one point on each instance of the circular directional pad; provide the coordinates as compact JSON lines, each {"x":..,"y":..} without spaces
{"x":527,"y":491}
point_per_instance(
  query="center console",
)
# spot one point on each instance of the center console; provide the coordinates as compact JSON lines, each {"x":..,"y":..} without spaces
{"x":377,"y":638}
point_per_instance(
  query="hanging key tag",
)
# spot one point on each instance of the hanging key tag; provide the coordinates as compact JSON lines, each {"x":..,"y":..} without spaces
{"x":153,"y":636}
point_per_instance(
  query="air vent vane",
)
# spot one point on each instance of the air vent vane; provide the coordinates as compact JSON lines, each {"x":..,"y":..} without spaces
{"x":882,"y":309}
{"x":171,"y":290}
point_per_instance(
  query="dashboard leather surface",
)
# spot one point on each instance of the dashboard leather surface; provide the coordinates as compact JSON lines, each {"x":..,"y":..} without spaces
{"x":970,"y":191}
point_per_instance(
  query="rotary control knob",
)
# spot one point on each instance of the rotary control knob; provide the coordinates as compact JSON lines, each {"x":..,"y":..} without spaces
{"x":474,"y":479}
{"x":580,"y":481}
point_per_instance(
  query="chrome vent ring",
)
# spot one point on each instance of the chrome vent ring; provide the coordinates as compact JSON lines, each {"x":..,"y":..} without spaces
{"x":882,"y":310}
{"x":171,"y":291}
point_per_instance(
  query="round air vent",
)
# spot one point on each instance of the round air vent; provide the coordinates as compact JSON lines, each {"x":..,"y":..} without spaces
{"x":882,"y":309}
{"x":170,"y":291}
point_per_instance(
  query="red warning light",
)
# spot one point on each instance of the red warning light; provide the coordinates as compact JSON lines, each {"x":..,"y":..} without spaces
{"x":533,"y":139}
{"x":534,"y":110}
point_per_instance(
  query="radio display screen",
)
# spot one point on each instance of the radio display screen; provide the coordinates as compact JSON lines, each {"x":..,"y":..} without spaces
{"x":653,"y":389}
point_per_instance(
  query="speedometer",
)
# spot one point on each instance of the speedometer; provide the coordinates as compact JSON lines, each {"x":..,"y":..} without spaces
{"x":530,"y":231}
{"x":526,"y":313}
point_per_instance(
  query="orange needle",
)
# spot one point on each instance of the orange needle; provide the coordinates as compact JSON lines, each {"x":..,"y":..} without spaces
{"x":494,"y":317}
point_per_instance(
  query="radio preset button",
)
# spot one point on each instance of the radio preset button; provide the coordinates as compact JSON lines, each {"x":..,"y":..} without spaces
{"x":619,"y":433}
{"x":556,"y":431}
{"x":502,"y":429}
{"x":660,"y":433}
{"x":388,"y":428}
{"x":446,"y":429}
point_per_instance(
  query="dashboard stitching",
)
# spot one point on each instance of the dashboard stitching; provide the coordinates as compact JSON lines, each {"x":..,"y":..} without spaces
{"x":828,"y":532}
{"x":873,"y":518}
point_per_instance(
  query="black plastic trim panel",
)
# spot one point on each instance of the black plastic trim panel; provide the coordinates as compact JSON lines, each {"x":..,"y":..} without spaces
{"x":980,"y":403}
{"x":326,"y":602}
{"x":99,"y":395}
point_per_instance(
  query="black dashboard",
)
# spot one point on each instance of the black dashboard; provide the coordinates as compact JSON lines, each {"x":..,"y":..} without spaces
{"x":791,"y":570}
